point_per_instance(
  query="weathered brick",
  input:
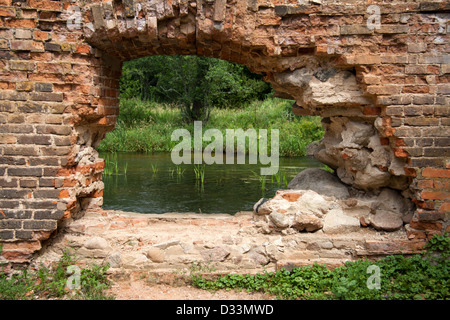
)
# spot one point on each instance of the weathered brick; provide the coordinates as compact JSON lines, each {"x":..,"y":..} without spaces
{"x":421,"y":121}
{"x":426,"y":162}
{"x":44,"y":87}
{"x":54,"y":129}
{"x":355,"y":29}
{"x":47,"y":96}
{"x":46,"y":193}
{"x":7,"y":12}
{"x":62,"y":141}
{"x":10,"y":224}
{"x":46,"y":5}
{"x":55,"y":151}
{"x":33,"y":139}
{"x":20,"y":150}
{"x":417,"y":47}
{"x":435,"y":195}
{"x":40,"y":204}
{"x":7,"y":139}
{"x":27,"y":183}
{"x":23,"y":234}
{"x":6,"y":234}
{"x":25,"y":86}
{"x":392,"y":28}
{"x":39,"y":225}
{"x":10,"y":204}
{"x":25,"y":45}
{"x":436,"y":173}
{"x":23,"y":34}
{"x":25,"y":172}
{"x":8,"y":183}
{"x":436,"y":152}
{"x":40,"y":35}
{"x":49,"y":46}
{"x":46,"y":182}
{"x":48,"y":215}
{"x":442,"y":142}
{"x":17,"y":214}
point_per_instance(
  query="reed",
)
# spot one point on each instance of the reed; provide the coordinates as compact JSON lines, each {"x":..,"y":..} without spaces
{"x":199,"y":170}
{"x":180,"y":170}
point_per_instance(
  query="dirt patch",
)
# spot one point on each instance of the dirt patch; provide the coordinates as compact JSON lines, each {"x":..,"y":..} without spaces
{"x":141,"y":290}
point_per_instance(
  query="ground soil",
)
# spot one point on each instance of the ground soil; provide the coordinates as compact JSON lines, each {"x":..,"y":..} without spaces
{"x":140,"y":290}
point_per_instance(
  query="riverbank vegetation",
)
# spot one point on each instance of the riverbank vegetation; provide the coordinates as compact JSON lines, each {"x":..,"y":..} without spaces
{"x":146,"y":126}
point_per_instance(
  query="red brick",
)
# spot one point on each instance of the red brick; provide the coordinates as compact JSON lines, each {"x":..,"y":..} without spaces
{"x":421,"y":225}
{"x":21,"y":23}
{"x":384,"y":141}
{"x":435,"y":173}
{"x":435,"y":195}
{"x":64,"y":194}
{"x":400,"y":153}
{"x":83,"y":49}
{"x":410,"y":172}
{"x":40,"y":35}
{"x":7,"y":12}
{"x":416,"y":89}
{"x":46,"y":4}
{"x":372,"y":111}
{"x":97,"y":194}
{"x":445,"y":207}
{"x":424,"y":184}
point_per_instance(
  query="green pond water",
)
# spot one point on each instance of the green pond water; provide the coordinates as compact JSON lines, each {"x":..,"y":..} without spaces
{"x":150,"y":183}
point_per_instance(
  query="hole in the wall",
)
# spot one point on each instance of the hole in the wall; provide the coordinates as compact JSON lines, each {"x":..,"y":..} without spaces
{"x":156,"y":163}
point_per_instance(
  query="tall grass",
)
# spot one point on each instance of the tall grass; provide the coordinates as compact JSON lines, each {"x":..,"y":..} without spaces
{"x":148,"y":126}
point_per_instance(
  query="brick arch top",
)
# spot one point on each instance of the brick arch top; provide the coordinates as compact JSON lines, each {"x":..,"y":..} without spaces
{"x":380,"y":69}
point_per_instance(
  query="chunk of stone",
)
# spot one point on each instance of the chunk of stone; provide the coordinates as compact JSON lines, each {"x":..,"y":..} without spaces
{"x":114,"y":260}
{"x":96,"y":243}
{"x":313,"y":203}
{"x":218,"y":254}
{"x":320,"y":181}
{"x":279,"y":219}
{"x":133,"y":260}
{"x":386,"y":220}
{"x":155,"y":254}
{"x":336,"y":221}
{"x":261,"y":207}
{"x":167,"y":244}
{"x":392,"y":200}
{"x":307,"y":222}
{"x":259,"y":256}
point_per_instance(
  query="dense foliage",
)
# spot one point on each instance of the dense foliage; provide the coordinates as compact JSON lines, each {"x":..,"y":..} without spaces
{"x":192,"y":83}
{"x":422,"y":276}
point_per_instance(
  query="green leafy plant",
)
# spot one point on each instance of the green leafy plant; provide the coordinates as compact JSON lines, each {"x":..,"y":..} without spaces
{"x":421,"y":276}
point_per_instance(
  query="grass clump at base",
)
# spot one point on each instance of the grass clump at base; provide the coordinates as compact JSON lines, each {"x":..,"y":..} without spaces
{"x":52,"y":282}
{"x":148,"y":126}
{"x":423,"y":276}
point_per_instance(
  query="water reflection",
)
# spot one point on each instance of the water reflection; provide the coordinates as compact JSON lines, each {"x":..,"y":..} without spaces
{"x":151,"y":183}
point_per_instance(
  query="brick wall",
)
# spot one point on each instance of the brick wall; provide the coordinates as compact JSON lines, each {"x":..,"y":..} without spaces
{"x":59,"y":82}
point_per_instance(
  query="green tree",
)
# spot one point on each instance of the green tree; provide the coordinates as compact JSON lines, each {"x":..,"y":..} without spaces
{"x":193,"y":83}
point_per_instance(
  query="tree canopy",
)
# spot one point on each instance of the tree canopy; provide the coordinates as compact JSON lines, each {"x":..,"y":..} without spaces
{"x":193,"y":83}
